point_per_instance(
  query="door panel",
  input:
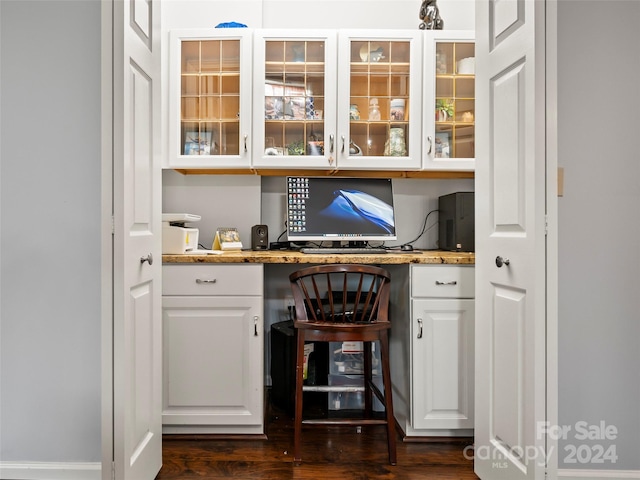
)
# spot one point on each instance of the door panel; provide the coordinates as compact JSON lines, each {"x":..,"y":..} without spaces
{"x":137,"y":258}
{"x":510,"y":240}
{"x":442,"y":354}
{"x":507,"y":356}
{"x":213,"y":367}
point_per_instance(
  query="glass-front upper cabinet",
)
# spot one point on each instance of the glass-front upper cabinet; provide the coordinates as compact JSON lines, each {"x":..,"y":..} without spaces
{"x":449,"y":100}
{"x":379,"y":99}
{"x":210,"y":98}
{"x":294,"y":99}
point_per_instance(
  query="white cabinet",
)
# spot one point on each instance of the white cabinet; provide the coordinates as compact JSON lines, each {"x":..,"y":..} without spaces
{"x":210,"y":98}
{"x":379,"y":68}
{"x":449,"y":100}
{"x":338,"y":99}
{"x":213,"y":349}
{"x":321,"y":99}
{"x":295,"y":98}
{"x":432,"y":350}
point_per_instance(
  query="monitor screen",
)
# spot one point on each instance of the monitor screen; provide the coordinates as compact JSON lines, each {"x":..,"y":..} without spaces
{"x":340,"y":208}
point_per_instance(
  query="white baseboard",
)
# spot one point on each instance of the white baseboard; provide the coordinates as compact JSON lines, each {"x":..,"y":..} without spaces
{"x":50,"y":471}
{"x":598,"y":474}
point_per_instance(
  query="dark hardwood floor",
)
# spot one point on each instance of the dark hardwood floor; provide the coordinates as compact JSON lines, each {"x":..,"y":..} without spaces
{"x":336,"y":452}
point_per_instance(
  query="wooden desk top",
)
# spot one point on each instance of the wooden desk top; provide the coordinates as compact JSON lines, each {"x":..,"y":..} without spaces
{"x":281,"y":256}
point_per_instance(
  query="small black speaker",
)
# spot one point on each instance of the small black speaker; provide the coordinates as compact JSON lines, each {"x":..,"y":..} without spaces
{"x":259,"y":237}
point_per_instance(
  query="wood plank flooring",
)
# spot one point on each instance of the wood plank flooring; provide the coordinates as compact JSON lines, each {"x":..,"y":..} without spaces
{"x":336,"y":452}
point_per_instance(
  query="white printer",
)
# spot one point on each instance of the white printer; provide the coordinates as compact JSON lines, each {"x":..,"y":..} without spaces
{"x":176,"y":237}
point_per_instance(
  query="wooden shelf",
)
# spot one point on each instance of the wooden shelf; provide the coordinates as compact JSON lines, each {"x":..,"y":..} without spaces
{"x":270,"y":172}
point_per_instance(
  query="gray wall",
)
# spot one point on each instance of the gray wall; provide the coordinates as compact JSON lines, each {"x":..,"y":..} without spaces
{"x":599,"y":226}
{"x":50,"y":231}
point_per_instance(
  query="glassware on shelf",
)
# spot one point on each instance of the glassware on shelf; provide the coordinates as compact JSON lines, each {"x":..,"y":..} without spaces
{"x":354,"y":149}
{"x":374,"y":110}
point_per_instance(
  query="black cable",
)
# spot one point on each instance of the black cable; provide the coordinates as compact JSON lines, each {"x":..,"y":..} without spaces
{"x":422,"y":232}
{"x":424,"y":227}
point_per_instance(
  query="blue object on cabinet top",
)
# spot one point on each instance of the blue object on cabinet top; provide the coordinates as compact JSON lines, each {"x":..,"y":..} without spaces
{"x":231,"y":25}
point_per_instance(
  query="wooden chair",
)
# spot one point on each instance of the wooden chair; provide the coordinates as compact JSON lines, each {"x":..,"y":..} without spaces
{"x":338,"y":303}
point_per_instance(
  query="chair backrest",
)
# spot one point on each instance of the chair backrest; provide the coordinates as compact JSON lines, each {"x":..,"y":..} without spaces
{"x":341,"y":293}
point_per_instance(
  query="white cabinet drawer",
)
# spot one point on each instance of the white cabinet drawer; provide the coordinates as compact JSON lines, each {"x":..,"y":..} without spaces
{"x":442,"y":281}
{"x":212,"y":279}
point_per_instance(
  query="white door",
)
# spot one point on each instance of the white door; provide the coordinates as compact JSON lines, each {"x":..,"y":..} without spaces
{"x":510,"y":240}
{"x":137,"y":258}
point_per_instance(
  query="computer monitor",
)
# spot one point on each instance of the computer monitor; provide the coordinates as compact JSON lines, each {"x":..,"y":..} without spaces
{"x":340,"y":209}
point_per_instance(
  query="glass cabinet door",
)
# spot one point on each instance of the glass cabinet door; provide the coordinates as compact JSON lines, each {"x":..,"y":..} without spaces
{"x":294,"y":105}
{"x":210,"y":112}
{"x":379,"y":91}
{"x":451,"y":104}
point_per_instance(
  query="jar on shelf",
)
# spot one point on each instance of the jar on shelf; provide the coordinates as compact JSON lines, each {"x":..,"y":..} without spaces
{"x":395,"y":145}
{"x":374,"y":110}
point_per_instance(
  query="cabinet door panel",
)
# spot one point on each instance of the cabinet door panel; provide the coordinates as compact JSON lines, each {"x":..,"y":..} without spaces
{"x":442,"y":363}
{"x":209,"y":98}
{"x":212,"y":360}
{"x":379,"y":99}
{"x":449,"y":100}
{"x":294,"y":98}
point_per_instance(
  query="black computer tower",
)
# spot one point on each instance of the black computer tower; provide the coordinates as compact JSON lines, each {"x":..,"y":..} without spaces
{"x":283,"y":360}
{"x":456,"y":213}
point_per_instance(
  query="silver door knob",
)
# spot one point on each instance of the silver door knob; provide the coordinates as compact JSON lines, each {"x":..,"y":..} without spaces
{"x":501,"y":261}
{"x":148,"y":258}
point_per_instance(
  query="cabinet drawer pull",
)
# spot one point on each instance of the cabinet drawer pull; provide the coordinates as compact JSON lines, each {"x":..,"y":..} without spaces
{"x":419,"y":328}
{"x":255,"y":326}
{"x":452,"y":282}
{"x":200,"y":281}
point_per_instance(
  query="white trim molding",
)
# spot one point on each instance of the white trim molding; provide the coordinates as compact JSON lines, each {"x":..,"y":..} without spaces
{"x":598,"y":474}
{"x":51,"y":471}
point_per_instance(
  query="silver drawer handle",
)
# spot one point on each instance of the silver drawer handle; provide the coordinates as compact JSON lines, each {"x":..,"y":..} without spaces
{"x":452,"y":282}
{"x":419,"y":328}
{"x":199,"y":280}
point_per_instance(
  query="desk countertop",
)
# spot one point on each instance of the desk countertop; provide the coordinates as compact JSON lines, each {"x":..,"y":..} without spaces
{"x":281,"y":256}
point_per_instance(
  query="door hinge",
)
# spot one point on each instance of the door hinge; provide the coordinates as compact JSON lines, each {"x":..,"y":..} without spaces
{"x":546,"y":225}
{"x":113,"y":225}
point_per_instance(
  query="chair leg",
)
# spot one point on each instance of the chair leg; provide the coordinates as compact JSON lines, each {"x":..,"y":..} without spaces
{"x":388,"y":399}
{"x":297,"y":432}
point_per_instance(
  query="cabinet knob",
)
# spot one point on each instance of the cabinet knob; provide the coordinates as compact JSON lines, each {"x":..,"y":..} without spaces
{"x":502,"y":261}
{"x":148,"y":258}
